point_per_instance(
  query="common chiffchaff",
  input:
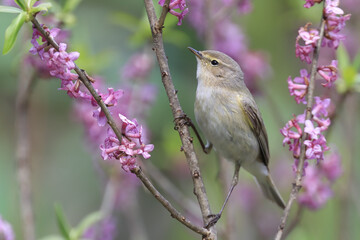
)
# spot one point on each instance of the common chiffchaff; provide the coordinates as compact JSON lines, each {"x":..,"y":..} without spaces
{"x":229,"y":118}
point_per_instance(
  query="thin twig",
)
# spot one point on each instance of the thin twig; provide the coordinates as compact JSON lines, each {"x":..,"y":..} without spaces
{"x":174,"y":213}
{"x":185,"y":203}
{"x":299,"y":173}
{"x":160,"y":23}
{"x":295,"y":221}
{"x":23,"y":151}
{"x":187,"y":146}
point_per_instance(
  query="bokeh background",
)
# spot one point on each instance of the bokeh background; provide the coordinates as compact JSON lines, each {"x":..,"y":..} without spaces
{"x":66,"y":170}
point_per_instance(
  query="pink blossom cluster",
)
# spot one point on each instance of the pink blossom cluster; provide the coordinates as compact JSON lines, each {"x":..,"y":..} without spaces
{"x":229,"y":38}
{"x":316,"y":190}
{"x":318,"y":180}
{"x":177,"y":4}
{"x":138,"y":66}
{"x":315,"y":142}
{"x":129,"y":147}
{"x":60,"y":63}
{"x":334,"y":22}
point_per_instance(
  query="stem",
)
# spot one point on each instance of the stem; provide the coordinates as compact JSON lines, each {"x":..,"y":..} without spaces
{"x":187,"y":146}
{"x":26,"y":82}
{"x":185,"y":203}
{"x":174,"y":213}
{"x":165,"y":10}
{"x":310,"y":99}
{"x":295,"y":221}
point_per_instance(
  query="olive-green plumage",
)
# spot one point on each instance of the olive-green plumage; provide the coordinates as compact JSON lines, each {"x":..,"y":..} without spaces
{"x":229,"y":118}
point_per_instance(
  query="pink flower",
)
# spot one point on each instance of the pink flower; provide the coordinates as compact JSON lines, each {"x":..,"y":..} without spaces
{"x":310,"y":3}
{"x":316,"y":192}
{"x":320,"y":107}
{"x":329,"y":73}
{"x":331,"y":7}
{"x":244,"y":6}
{"x":6,"y":231}
{"x":311,"y":130}
{"x":309,"y":37}
{"x":331,"y":166}
{"x":130,"y":146}
{"x":292,"y":138}
{"x":138,"y":66}
{"x":303,"y":52}
{"x":315,"y":148}
{"x":177,"y":4}
{"x":298,"y":87}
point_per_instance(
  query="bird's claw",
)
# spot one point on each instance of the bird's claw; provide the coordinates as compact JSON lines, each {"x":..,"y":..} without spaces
{"x":214,"y":219}
{"x":182,"y":120}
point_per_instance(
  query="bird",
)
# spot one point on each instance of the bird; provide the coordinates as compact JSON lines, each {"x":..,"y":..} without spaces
{"x":231,"y":122}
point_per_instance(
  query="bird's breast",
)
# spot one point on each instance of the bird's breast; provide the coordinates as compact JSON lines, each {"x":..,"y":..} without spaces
{"x":222,"y":121}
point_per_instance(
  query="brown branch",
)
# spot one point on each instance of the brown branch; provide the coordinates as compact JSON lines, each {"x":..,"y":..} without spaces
{"x":185,"y":203}
{"x":295,"y":221}
{"x":174,"y":213}
{"x":310,"y":99}
{"x":187,"y":146}
{"x":26,"y":82}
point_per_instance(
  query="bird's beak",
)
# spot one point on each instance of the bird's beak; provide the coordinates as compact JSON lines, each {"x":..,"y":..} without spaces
{"x":196,"y":52}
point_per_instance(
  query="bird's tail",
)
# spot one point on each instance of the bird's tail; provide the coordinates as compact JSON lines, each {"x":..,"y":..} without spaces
{"x":270,"y":191}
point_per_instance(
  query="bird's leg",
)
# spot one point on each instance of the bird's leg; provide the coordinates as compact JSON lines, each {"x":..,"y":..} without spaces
{"x":216,"y":217}
{"x":187,"y":121}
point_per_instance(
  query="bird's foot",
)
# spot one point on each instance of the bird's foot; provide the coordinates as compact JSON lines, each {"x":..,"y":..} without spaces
{"x":214,"y":219}
{"x":182,"y":120}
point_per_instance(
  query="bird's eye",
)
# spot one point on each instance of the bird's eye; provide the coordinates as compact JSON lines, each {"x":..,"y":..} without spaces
{"x":214,"y":62}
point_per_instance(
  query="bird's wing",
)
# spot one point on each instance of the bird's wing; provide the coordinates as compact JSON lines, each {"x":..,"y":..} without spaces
{"x":256,"y":124}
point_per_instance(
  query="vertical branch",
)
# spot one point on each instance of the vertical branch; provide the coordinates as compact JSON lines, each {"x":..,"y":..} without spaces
{"x":310,"y":99}
{"x":26,"y":80}
{"x":187,"y":146}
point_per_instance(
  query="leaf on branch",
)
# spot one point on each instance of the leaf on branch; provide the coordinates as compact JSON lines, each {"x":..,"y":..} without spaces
{"x":12,"y":32}
{"x":21,"y":4}
{"x":86,"y":223}
{"x":8,"y":9}
{"x":62,"y":222}
{"x":41,"y":7}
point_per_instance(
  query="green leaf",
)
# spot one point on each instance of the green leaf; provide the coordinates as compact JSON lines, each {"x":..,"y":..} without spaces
{"x":70,"y":5}
{"x":40,"y":7}
{"x":27,"y":4}
{"x":356,"y":62}
{"x":52,"y":237}
{"x":343,"y":57}
{"x":12,"y":32}
{"x":87,"y":222}
{"x":349,"y":74}
{"x":32,"y":2}
{"x":62,"y":223}
{"x":21,"y":4}
{"x":8,"y":9}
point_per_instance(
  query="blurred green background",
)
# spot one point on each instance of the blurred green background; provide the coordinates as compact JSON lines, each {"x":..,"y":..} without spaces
{"x":62,"y":169}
